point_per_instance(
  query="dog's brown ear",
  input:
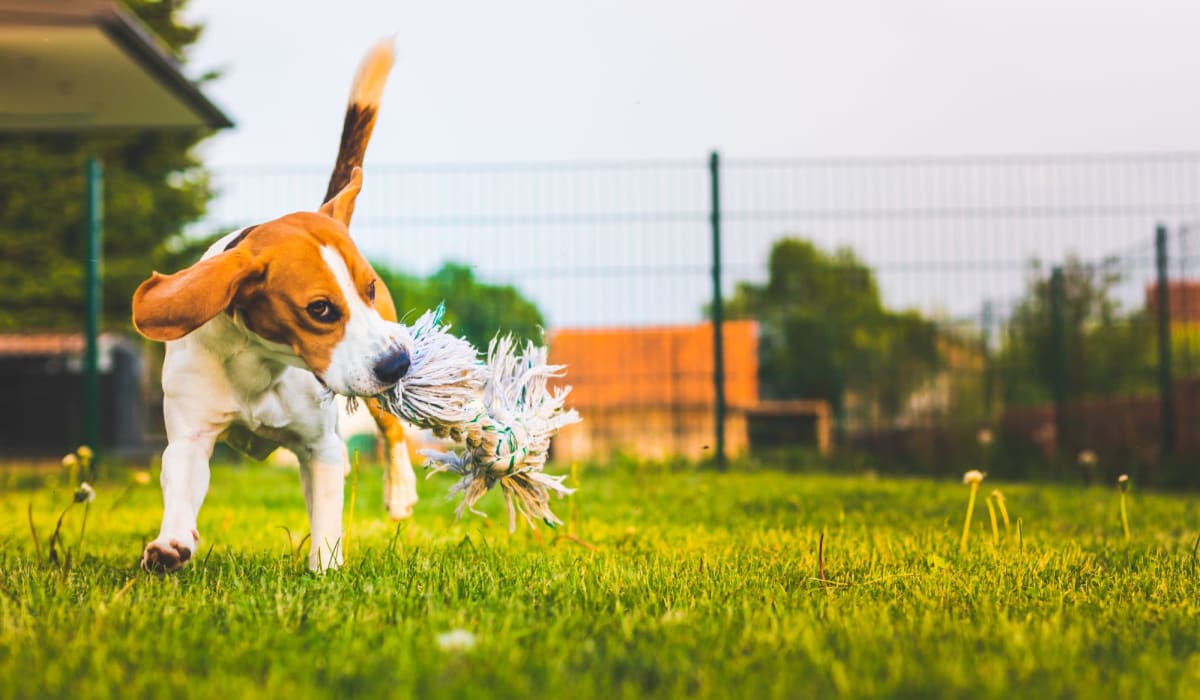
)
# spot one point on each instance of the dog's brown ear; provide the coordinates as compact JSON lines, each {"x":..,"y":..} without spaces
{"x":341,"y":206}
{"x":168,"y":307}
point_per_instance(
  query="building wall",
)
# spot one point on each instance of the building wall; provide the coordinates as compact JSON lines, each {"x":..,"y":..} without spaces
{"x":649,"y":391}
{"x":1183,"y":300}
{"x":42,"y":376}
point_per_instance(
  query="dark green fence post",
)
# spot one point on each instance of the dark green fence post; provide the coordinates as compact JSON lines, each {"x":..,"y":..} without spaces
{"x":985,"y":346}
{"x":1058,"y":356}
{"x":91,"y":357}
{"x":1166,"y":380}
{"x":714,"y":171}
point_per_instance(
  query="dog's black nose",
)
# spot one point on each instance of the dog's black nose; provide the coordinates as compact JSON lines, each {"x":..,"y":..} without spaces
{"x":391,"y":368}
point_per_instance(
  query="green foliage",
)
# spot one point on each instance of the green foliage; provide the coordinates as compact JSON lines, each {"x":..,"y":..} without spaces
{"x":154,"y":186}
{"x":477,"y":311}
{"x":1185,"y":349}
{"x":825,"y":332}
{"x":700,"y":585}
{"x":1106,"y":349}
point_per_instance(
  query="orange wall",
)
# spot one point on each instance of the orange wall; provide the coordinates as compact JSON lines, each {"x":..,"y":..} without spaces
{"x":656,"y":366}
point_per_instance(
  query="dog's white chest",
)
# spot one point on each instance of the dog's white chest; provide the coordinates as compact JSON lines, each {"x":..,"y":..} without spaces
{"x":278,"y":401}
{"x":267,"y":412}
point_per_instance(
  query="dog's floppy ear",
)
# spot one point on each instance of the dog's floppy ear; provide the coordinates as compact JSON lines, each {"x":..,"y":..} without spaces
{"x":168,"y":307}
{"x":341,"y":206}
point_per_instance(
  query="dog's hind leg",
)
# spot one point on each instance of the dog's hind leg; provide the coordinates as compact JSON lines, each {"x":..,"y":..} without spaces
{"x":399,"y":481}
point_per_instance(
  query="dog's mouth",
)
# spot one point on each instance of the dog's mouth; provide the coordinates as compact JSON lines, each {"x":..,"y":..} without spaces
{"x":387,"y":395}
{"x":364,"y":385}
{"x":365,"y":366}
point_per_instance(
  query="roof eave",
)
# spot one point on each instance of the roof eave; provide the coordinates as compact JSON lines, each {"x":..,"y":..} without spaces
{"x":131,"y":35}
{"x":135,"y":38}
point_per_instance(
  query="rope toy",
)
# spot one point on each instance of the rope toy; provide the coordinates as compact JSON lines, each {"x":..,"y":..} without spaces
{"x":501,"y":411}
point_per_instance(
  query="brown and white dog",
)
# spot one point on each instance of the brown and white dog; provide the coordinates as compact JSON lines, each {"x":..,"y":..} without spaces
{"x":261,"y":332}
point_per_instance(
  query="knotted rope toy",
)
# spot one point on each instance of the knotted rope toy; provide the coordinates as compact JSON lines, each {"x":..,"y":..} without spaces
{"x":502,"y":411}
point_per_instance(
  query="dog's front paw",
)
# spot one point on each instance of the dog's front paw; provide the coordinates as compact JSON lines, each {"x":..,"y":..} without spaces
{"x":324,"y":558}
{"x":166,"y":555}
{"x":400,"y":498}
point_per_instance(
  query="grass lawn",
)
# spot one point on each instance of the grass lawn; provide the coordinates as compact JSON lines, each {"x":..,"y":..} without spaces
{"x":699,"y":585}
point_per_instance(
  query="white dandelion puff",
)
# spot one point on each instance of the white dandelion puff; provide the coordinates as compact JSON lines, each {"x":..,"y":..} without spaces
{"x":456,"y":640}
{"x":85,"y":493}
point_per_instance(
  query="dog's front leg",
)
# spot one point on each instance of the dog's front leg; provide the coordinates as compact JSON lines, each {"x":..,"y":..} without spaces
{"x":323,"y":470}
{"x":184,"y":482}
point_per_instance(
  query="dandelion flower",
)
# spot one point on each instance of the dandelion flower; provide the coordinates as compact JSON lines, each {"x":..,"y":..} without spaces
{"x":84,"y":452}
{"x":85,"y":493}
{"x":973,"y":477}
{"x":141,"y":477}
{"x":70,"y":461}
{"x":456,"y":640}
{"x":1123,"y":482}
{"x":985,"y":436}
{"x":1087,"y":458}
{"x":674,"y":616}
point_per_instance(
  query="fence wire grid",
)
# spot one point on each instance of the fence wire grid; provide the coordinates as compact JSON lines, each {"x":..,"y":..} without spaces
{"x":1037,"y":274}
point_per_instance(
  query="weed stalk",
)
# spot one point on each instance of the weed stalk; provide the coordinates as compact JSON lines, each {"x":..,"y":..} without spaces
{"x":353,"y":499}
{"x":1003,"y":510}
{"x":1123,"y":485}
{"x":972,"y":479}
{"x":995,"y":525}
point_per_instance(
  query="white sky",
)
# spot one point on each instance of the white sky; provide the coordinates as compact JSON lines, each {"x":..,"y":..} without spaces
{"x":563,"y":79}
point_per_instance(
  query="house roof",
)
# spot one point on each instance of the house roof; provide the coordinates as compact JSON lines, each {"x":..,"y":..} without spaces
{"x":49,"y":344}
{"x":74,"y":65}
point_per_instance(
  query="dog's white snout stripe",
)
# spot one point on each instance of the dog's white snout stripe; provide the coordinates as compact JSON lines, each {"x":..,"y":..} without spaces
{"x":366,"y":339}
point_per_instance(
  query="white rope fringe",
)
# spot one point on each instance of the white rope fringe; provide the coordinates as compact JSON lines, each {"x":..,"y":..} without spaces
{"x":441,"y":389}
{"x":503,"y":412}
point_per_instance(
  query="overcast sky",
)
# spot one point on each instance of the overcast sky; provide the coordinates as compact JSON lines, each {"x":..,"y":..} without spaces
{"x":564,"y":79}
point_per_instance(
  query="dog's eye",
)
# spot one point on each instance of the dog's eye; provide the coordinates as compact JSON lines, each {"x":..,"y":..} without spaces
{"x":323,"y":311}
{"x":371,"y":291}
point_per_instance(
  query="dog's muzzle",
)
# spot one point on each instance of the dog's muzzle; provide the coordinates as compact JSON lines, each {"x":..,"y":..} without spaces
{"x":393,"y":366}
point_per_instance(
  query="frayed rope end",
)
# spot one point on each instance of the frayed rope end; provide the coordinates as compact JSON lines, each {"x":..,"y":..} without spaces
{"x":504,"y":412}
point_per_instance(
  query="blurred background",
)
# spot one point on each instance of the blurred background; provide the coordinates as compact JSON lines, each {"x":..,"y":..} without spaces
{"x":914,"y":237}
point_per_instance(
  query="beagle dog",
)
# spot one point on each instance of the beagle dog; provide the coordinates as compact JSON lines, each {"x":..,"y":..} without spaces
{"x":260,"y":333}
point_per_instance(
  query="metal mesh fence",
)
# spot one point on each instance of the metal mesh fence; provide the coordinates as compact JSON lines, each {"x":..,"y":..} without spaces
{"x":1016,"y":295}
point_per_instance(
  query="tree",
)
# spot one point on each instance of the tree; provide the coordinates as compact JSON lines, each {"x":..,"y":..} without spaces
{"x":826,"y":334}
{"x":1105,"y":349}
{"x":476,"y":310}
{"x":154,"y":186}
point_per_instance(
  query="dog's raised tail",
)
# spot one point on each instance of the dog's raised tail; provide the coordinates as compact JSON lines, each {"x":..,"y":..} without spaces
{"x":365,"y":96}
